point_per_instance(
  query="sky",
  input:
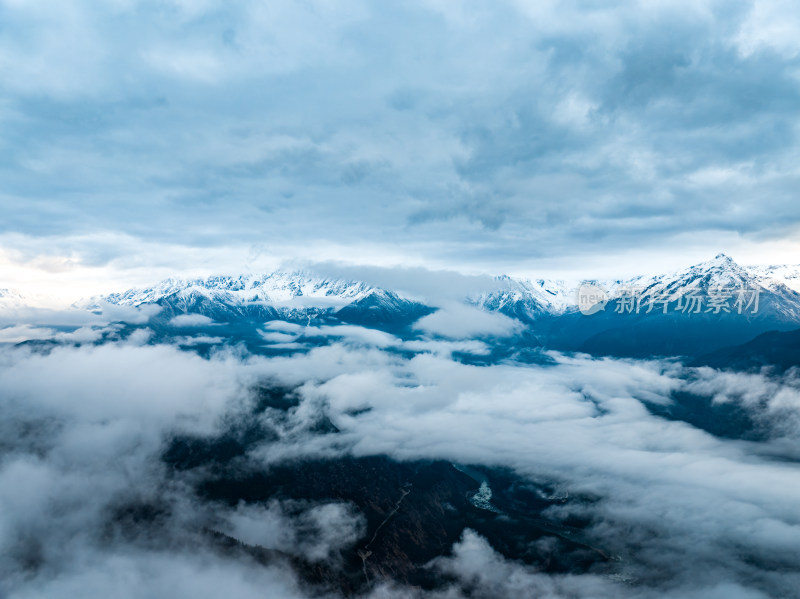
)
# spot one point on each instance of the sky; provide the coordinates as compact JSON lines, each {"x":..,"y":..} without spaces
{"x":142,"y":139}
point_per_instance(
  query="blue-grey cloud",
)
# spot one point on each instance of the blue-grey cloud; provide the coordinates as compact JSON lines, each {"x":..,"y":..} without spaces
{"x":482,"y":131}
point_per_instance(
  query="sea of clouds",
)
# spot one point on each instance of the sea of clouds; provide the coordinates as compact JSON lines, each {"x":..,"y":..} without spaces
{"x":85,"y":424}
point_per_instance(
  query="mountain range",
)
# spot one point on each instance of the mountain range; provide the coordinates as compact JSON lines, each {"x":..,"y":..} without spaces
{"x":695,"y":311}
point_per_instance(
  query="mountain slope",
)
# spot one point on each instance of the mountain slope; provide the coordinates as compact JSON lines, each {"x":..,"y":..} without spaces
{"x":787,"y":274}
{"x":525,"y":300}
{"x":779,"y":350}
{"x":693,"y":311}
{"x":292,"y":296}
{"x":278,"y":288}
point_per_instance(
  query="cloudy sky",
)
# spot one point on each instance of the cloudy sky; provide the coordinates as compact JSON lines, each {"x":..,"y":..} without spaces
{"x":146,"y":138}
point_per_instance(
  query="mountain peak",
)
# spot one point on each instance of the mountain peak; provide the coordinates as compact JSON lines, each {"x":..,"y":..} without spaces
{"x":7,"y":293}
{"x":720,"y":262}
{"x":11,"y":299}
{"x":279,"y":287}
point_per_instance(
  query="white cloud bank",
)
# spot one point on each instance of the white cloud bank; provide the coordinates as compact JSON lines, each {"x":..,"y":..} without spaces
{"x":688,"y":514}
{"x":191,"y":320}
{"x":461,"y":321}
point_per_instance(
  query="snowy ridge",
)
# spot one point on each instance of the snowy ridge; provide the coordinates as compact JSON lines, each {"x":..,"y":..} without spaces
{"x":297,"y":292}
{"x":280,"y":288}
{"x":529,"y":300}
{"x":11,"y":300}
{"x":721,"y":273}
{"x":525,"y":298}
{"x":786,"y":274}
{"x":292,"y":296}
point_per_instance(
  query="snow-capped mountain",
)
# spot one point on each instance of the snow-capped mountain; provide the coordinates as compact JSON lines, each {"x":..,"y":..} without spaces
{"x":298,"y":295}
{"x":11,"y":300}
{"x":692,"y":311}
{"x":281,"y":295}
{"x":279,"y":289}
{"x":720,"y":271}
{"x":526,"y":300}
{"x":786,"y":274}
{"x":715,"y":286}
{"x":301,"y":293}
{"x":529,"y":300}
{"x":651,"y":315}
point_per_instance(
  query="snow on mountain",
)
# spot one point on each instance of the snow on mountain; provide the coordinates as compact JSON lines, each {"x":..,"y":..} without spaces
{"x":786,"y":274}
{"x":293,"y":296}
{"x":529,"y":300}
{"x":285,"y":294}
{"x":297,"y":289}
{"x":721,"y":280}
{"x":11,"y":300}
{"x":721,"y":272}
{"x":525,"y":299}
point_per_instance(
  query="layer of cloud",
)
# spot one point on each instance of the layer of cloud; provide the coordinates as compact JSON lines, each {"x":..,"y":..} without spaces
{"x":685,"y":513}
{"x":137,"y":126}
{"x":191,"y":320}
{"x":460,"y":321}
{"x":24,"y":332}
{"x":701,"y":509}
{"x":98,"y":314}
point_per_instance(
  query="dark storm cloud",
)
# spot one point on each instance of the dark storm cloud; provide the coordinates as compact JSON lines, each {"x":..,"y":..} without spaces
{"x":486,"y":130}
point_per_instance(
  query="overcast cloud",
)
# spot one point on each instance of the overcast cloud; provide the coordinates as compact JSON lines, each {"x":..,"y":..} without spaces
{"x":488,"y":135}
